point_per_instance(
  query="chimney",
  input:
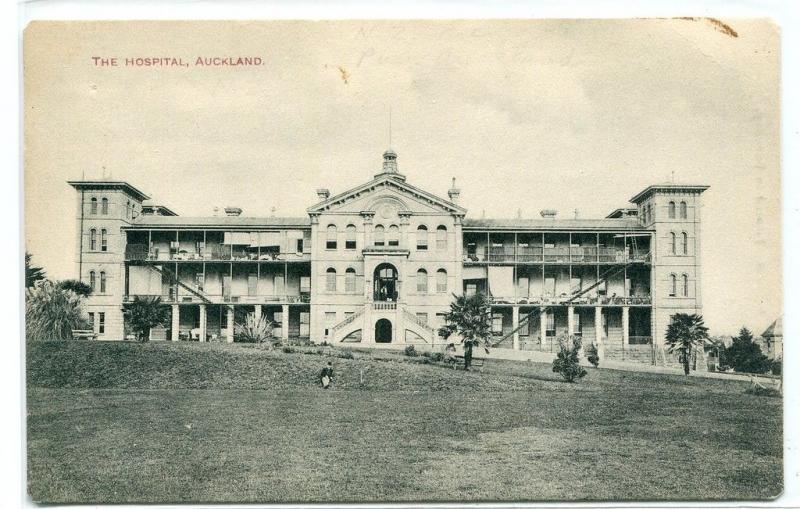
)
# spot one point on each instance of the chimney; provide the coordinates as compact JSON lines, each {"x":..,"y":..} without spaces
{"x":323,"y":194}
{"x":548,"y":213}
{"x":233,"y":211}
{"x":454,"y":192}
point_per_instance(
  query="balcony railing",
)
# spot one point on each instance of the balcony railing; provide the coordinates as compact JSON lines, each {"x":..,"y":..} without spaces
{"x":172,"y":298}
{"x":565,"y":299}
{"x":506,"y":254}
{"x":384,"y":306}
{"x":142,"y":252}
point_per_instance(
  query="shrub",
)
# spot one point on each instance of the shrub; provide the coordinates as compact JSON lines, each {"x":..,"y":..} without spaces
{"x":566,"y":362}
{"x":410,"y":351}
{"x":253,"y":330}
{"x":744,"y":355}
{"x":436,"y":356}
{"x":52,"y":312}
{"x":143,"y":314}
{"x":592,"y":356}
{"x":345,"y":354}
{"x":287,"y":349}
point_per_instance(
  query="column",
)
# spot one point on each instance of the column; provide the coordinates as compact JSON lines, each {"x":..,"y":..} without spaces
{"x":176,"y":321}
{"x":515,"y":327}
{"x":570,"y":320}
{"x":229,"y":329}
{"x":543,"y":326}
{"x":285,"y":322}
{"x":625,"y":323}
{"x":203,"y":322}
{"x":404,"y":220}
{"x":257,"y":311}
{"x":598,"y":331}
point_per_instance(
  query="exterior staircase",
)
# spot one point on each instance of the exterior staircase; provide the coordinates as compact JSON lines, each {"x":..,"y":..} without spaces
{"x":173,"y":280}
{"x":347,"y":326}
{"x":422,"y":329}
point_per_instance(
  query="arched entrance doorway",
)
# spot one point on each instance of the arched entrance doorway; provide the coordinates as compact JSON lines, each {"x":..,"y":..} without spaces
{"x":385,"y":283}
{"x":383,"y":331}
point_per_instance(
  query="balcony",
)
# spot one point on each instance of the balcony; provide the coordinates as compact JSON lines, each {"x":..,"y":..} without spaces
{"x":212,"y":253}
{"x":173,"y":298}
{"x":565,"y":299}
{"x":555,"y":255}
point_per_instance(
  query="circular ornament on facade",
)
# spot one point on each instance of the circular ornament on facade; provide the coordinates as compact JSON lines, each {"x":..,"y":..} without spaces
{"x":386,"y":211}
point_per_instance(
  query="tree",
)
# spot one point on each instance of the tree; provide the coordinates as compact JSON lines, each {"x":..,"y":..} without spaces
{"x":567,"y":362}
{"x":469,"y":317}
{"x":52,"y":312}
{"x":744,"y":355}
{"x":79,"y":287}
{"x":686,"y":333}
{"x":143,"y":314}
{"x":253,"y":330}
{"x":32,"y":274}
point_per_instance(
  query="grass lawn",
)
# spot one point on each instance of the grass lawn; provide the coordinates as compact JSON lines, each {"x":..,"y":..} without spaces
{"x":188,"y":422}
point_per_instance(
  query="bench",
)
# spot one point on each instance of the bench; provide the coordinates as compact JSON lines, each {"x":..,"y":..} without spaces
{"x":458,"y":360}
{"x":83,"y":334}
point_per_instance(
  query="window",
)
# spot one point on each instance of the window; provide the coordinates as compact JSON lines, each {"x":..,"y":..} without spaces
{"x":422,"y":318}
{"x":331,"y":238}
{"x":471,"y":290}
{"x":380,"y":235}
{"x":550,"y":322}
{"x":277,"y":319}
{"x":128,"y":209}
{"x":101,"y":323}
{"x":93,"y":239}
{"x":93,"y":280}
{"x":524,"y":328}
{"x":305,"y":324}
{"x":350,"y":280}
{"x":252,"y":285}
{"x":441,"y":238}
{"x":350,"y":237}
{"x":422,"y":238}
{"x":93,"y":209}
{"x":279,"y":285}
{"x":685,"y":285}
{"x":685,"y":243}
{"x":683,"y":210}
{"x":441,"y":281}
{"x":549,"y":286}
{"x":497,"y":324}
{"x":650,"y":212}
{"x":305,"y":284}
{"x":199,"y":280}
{"x":673,"y":285}
{"x":104,"y":206}
{"x":330,"y":280}
{"x":523,"y":284}
{"x":672,"y":243}
{"x":299,"y":246}
{"x":91,"y":322}
{"x":422,"y":281}
{"x":577,"y":329}
{"x":102,"y":282}
{"x":103,"y":240}
{"x":394,"y":236}
{"x":441,"y":320}
{"x":226,"y":286}
{"x":672,"y":210}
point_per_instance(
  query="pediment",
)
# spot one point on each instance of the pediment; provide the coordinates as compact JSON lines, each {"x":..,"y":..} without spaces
{"x":387,"y":195}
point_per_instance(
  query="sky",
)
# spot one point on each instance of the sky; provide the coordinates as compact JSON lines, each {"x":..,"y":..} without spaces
{"x":525,"y":114}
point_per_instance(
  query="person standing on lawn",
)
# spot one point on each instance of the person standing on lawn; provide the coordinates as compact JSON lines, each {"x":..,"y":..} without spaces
{"x":326,"y":377}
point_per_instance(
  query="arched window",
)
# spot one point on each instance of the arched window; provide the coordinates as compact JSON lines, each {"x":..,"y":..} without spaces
{"x":441,"y":281}
{"x":92,"y":280}
{"x":393,"y":239}
{"x":330,"y":280}
{"x":350,"y":237}
{"x":649,"y":212}
{"x":441,"y":237}
{"x":93,"y":209}
{"x":685,"y":285}
{"x":330,"y":242}
{"x":104,"y":206}
{"x":673,"y":243}
{"x":350,"y":280}
{"x":685,"y":243}
{"x":422,"y":238}
{"x":93,"y":239}
{"x":379,"y":235}
{"x":673,"y":290}
{"x":683,"y":210}
{"x":672,"y":210}
{"x":422,"y":281}
{"x":103,"y":240}
{"x":102,"y":282}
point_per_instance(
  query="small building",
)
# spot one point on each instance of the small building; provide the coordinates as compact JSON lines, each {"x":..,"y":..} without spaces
{"x":772,"y":340}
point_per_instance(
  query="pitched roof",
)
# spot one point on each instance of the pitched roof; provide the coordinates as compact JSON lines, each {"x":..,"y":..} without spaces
{"x":774,"y":330}
{"x":628,"y":224}
{"x":218,"y":222}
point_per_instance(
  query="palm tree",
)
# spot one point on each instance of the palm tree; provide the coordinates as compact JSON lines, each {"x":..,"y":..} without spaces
{"x":469,"y":317}
{"x":143,"y":314}
{"x":685,"y":333}
{"x":32,"y":274}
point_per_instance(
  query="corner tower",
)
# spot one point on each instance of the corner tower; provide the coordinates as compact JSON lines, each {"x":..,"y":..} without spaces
{"x":672,"y":211}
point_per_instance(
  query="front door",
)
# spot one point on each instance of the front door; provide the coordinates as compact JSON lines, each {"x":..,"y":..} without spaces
{"x":383,"y":331}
